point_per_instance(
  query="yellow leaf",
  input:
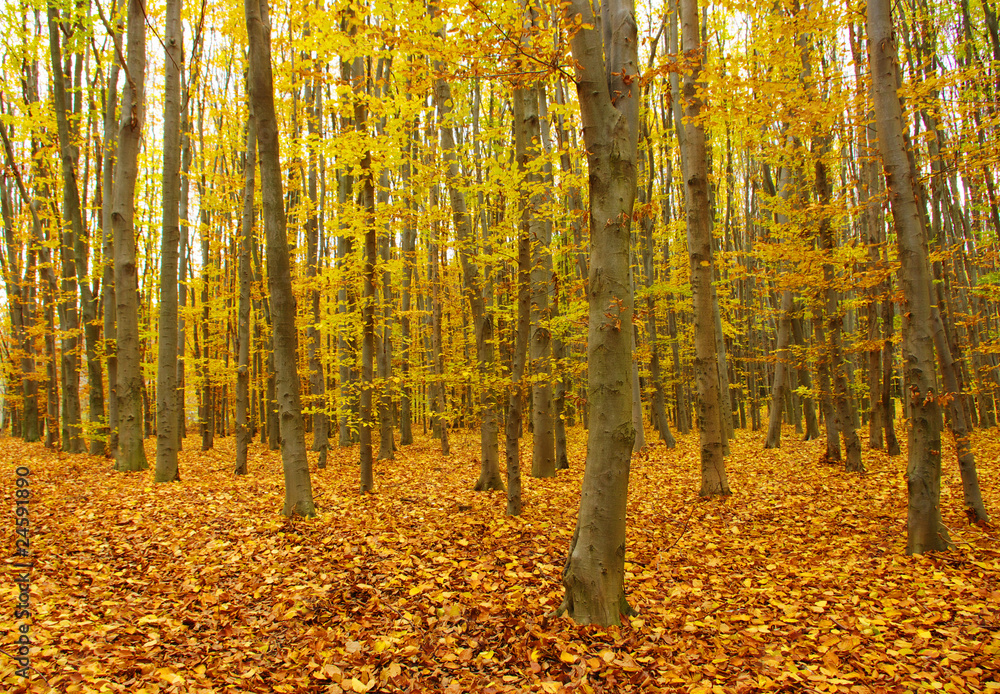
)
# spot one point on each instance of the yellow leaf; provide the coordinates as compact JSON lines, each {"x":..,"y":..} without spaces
{"x":168,"y":675}
{"x":357,"y":685}
{"x":551,"y":687}
{"x":567,"y":657}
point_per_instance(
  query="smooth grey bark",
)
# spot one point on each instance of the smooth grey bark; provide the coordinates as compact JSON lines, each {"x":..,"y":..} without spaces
{"x":543,"y":461}
{"x":513,"y":424}
{"x":925,"y":530}
{"x":243,"y":433}
{"x":71,"y":231}
{"x":383,"y":343}
{"x":108,"y":250}
{"x":167,"y":437}
{"x":409,"y":255}
{"x":782,"y":365}
{"x":699,"y":238}
{"x":131,"y":455}
{"x":366,"y":198}
{"x":298,"y":486}
{"x":607,"y":71}
{"x":436,"y":388}
{"x":314,"y":338}
{"x":346,"y":344}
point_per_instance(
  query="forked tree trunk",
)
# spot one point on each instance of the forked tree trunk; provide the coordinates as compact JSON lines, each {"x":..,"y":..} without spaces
{"x":607,"y":83}
{"x":298,"y":486}
{"x":699,"y":238}
{"x":167,"y":437}
{"x":131,"y":455}
{"x":925,"y":530}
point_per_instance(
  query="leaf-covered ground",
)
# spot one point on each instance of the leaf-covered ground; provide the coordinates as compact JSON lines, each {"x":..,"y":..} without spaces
{"x":797,"y":582}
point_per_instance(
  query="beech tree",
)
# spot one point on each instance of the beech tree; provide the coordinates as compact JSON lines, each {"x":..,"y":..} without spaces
{"x":298,"y":485}
{"x":167,"y":402}
{"x":923,"y":473}
{"x":607,"y":84}
{"x":131,"y":455}
{"x":699,"y":238}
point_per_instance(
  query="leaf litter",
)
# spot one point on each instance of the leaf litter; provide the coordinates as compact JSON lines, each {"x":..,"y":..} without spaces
{"x":796,"y":582}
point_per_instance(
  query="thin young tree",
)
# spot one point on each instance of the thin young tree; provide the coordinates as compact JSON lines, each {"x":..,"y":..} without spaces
{"x":167,"y":423}
{"x":699,"y":238}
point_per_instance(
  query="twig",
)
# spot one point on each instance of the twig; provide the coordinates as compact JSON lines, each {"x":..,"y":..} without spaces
{"x":683,"y":530}
{"x":29,"y":667}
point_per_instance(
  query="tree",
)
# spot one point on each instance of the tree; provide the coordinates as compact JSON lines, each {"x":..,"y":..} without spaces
{"x":167,"y":424}
{"x":243,"y":434}
{"x":298,"y":486}
{"x":131,"y":455}
{"x":608,"y":89}
{"x":699,"y":238}
{"x":925,"y":531}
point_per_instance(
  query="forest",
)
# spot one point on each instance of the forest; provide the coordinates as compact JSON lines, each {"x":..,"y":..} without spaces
{"x":480,"y":346}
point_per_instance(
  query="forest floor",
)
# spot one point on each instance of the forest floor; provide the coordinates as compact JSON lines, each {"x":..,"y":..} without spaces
{"x":798,"y":581}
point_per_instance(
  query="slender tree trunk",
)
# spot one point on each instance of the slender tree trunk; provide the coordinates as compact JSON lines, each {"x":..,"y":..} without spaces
{"x":71,"y":229}
{"x":368,"y":301}
{"x":298,"y":486}
{"x":699,"y":238}
{"x":243,"y":433}
{"x":409,"y":254}
{"x":314,"y":338}
{"x":925,"y":529}
{"x":782,"y":365}
{"x":512,"y":428}
{"x":166,"y":366}
{"x":131,"y":455}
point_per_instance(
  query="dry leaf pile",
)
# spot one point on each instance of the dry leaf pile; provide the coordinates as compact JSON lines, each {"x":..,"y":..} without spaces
{"x":797,"y":582}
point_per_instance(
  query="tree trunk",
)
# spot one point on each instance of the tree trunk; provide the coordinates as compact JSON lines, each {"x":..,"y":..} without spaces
{"x":317,"y":383}
{"x":925,"y":529}
{"x":699,"y":238}
{"x":782,"y":365}
{"x":298,"y":486}
{"x":166,"y":365}
{"x":512,"y":427}
{"x":131,"y":455}
{"x":71,"y":229}
{"x":409,"y":254}
{"x":608,"y":91}
{"x":368,"y":299}
{"x":243,"y":434}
